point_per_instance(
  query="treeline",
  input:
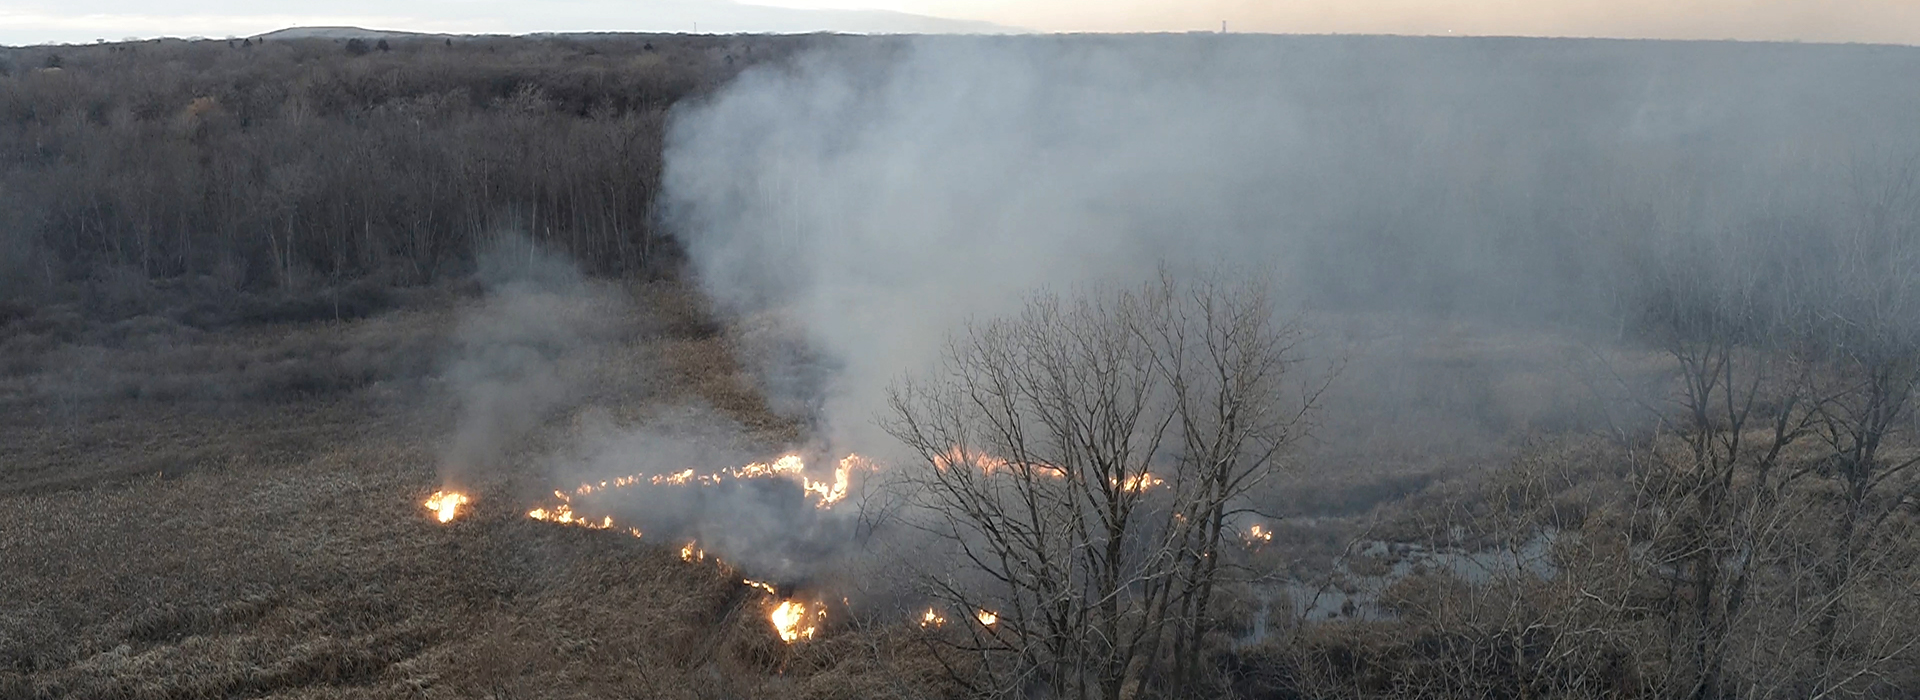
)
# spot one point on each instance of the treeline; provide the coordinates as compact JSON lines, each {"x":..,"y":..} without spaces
{"x":288,"y":163}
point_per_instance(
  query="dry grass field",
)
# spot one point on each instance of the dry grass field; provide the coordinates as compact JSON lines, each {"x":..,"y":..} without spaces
{"x":227,"y":501}
{"x":180,"y":523}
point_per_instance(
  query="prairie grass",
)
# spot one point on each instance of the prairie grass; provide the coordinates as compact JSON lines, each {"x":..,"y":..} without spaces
{"x":236,"y":512}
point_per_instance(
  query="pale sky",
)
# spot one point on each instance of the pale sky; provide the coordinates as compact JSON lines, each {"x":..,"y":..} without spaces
{"x":1879,"y":21}
{"x":1888,"y":21}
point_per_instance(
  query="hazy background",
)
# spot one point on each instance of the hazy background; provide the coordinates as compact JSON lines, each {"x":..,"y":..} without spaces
{"x":882,"y":196}
{"x":1803,"y":20}
{"x":1878,"y":21}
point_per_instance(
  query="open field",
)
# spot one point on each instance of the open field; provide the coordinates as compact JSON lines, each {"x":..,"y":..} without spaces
{"x":256,"y":542}
{"x":235,"y":510}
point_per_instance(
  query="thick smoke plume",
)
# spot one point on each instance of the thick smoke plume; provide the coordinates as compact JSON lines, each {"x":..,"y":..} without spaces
{"x":880,"y":194}
{"x":851,"y":210}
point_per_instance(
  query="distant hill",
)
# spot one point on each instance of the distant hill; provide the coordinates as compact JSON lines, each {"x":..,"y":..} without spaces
{"x":342,"y":33}
{"x":666,"y":16}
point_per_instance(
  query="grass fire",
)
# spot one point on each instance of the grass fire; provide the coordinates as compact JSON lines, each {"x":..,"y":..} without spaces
{"x":343,"y":363}
{"x":445,"y":505}
{"x":795,"y":621}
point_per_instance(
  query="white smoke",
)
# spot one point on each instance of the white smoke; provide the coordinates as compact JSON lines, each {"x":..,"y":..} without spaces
{"x":524,"y":351}
{"x":877,"y":194}
{"x":884,"y":200}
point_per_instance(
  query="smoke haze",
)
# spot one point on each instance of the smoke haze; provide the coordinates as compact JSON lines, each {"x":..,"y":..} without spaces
{"x":536,"y":349}
{"x":524,"y":351}
{"x":1455,"y":211}
{"x":1884,"y":21}
{"x":882,"y":193}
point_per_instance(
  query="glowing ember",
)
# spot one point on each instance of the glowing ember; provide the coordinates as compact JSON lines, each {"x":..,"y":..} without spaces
{"x":563,"y":515}
{"x":986,"y":463}
{"x":1259,"y":535}
{"x":794,"y":622}
{"x":823,"y":493}
{"x":446,"y":504}
{"x":990,"y":465}
{"x":986,"y":617}
{"x":1140,"y":483}
{"x":677,"y":478}
{"x":932,"y":618}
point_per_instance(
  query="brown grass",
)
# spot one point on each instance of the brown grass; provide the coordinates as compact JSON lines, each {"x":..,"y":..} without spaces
{"x":174,"y":547}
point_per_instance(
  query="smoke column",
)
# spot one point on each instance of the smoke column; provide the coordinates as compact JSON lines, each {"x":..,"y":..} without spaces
{"x":521,"y":352}
{"x":879,"y":193}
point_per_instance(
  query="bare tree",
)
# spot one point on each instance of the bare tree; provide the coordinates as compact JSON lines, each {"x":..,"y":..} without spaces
{"x":1085,"y":460}
{"x":1709,"y":477}
{"x":1769,"y":495}
{"x":1859,"y":330}
{"x":1224,"y":357}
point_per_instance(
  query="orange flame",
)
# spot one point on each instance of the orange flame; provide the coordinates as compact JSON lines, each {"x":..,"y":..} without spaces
{"x":1139,"y":483}
{"x":932,"y":618}
{"x":1258,"y":535}
{"x":446,"y":504}
{"x":793,"y":621}
{"x":824,"y":493}
{"x":830,"y":494}
{"x":989,"y":464}
{"x":563,"y":515}
{"x":676,"y":478}
{"x":792,"y":466}
{"x":959,"y":456}
{"x":986,"y":617}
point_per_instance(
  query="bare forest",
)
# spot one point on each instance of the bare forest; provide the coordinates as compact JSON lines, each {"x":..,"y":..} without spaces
{"x":300,"y":163}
